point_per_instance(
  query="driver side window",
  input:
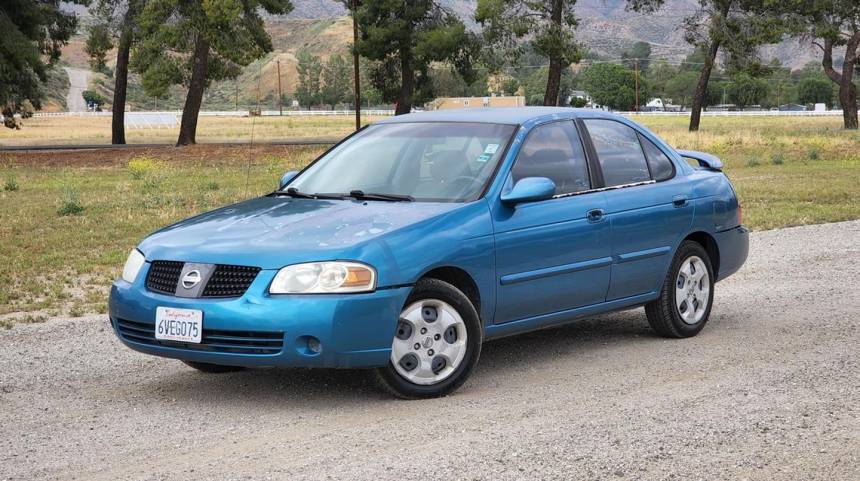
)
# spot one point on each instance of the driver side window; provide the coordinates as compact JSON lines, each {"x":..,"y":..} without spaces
{"x":554,"y":151}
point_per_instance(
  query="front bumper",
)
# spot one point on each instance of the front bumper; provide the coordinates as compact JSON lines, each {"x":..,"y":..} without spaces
{"x":354,"y":330}
{"x":734,"y":246}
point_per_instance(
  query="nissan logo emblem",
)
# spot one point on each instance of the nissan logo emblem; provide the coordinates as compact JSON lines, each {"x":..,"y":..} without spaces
{"x":191,"y":279}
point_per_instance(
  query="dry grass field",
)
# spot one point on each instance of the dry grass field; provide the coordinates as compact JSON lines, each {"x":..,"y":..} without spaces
{"x":68,"y":219}
{"x":96,"y":130}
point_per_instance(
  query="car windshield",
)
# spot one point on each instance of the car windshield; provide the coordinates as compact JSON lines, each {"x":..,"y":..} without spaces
{"x":422,"y":161}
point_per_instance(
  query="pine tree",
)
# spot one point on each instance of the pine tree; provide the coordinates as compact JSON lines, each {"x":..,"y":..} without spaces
{"x":550,"y":25}
{"x":193,"y":42}
{"x":406,"y":36}
{"x":33,"y":31}
{"x":337,"y":81}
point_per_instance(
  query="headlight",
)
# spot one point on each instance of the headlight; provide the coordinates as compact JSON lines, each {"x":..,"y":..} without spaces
{"x":323,"y":278}
{"x":132,"y":266}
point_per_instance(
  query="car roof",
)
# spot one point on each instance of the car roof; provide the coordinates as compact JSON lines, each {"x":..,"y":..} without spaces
{"x":494,"y":115}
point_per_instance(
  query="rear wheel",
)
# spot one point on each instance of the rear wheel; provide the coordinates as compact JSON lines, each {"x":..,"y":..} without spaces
{"x":686,"y":297}
{"x":436,"y":344}
{"x":212,"y":368}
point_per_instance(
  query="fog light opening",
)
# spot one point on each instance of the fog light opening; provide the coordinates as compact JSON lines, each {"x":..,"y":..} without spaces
{"x":314,"y":345}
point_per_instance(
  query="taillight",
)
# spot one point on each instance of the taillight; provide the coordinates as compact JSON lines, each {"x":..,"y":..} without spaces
{"x":740,"y":214}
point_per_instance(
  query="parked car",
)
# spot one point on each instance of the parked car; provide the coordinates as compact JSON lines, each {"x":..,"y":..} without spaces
{"x":413,"y":241}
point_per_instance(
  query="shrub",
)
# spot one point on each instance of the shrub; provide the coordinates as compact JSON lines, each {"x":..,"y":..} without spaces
{"x":752,"y":162}
{"x":813,"y":154}
{"x":777,"y":158}
{"x":70,"y":204}
{"x":11,"y":184}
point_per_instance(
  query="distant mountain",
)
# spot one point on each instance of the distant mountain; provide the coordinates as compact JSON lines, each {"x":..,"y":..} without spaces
{"x":606,"y":27}
{"x":320,"y":27}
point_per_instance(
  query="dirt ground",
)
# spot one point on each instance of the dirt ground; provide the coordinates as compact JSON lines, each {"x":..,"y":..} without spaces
{"x":767,"y":391}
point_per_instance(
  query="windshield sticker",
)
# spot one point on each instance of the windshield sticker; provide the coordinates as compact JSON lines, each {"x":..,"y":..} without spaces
{"x":484,"y":157}
{"x":491,"y":148}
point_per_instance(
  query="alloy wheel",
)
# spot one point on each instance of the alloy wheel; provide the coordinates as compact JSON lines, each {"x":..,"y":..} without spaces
{"x":692,"y":290}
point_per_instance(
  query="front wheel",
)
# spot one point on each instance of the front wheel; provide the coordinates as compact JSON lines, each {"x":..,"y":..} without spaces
{"x":686,"y":297}
{"x":436,"y":344}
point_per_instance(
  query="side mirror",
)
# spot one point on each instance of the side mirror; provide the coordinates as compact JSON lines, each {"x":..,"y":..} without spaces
{"x":287,"y":178}
{"x":530,"y":189}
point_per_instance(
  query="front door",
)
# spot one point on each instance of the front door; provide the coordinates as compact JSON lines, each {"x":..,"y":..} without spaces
{"x":552,"y":255}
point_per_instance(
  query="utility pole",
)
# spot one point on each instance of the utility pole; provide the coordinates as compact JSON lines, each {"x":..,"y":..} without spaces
{"x":636,"y":67}
{"x":280,"y":98}
{"x":355,"y":73}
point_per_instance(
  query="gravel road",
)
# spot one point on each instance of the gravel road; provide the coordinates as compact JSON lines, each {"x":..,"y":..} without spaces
{"x":769,"y":390}
{"x":79,"y":79}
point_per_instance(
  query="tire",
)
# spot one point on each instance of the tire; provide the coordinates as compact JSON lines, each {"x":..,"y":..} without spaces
{"x":668,"y":315}
{"x":436,"y":317}
{"x":212,"y":368}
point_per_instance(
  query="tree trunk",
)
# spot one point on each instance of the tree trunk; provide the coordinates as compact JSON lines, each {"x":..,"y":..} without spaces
{"x":848,"y":97}
{"x":847,"y":90}
{"x":188,"y":127}
{"x":702,"y":87}
{"x":356,"y":79}
{"x":553,"y":81}
{"x":120,"y":87}
{"x":407,"y":82}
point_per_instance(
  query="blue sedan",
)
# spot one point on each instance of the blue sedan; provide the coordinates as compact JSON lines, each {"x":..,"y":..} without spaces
{"x":411,"y":242}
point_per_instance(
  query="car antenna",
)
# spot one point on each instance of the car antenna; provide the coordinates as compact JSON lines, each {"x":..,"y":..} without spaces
{"x":253,"y":123}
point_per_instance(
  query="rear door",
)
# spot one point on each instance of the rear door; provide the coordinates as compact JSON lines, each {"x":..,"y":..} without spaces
{"x":552,"y":255}
{"x":648,"y":206}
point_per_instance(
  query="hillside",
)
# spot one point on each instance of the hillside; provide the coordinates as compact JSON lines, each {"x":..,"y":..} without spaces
{"x":320,"y":26}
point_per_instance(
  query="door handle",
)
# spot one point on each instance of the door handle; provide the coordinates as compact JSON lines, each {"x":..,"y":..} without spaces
{"x":595,"y":215}
{"x":679,"y":200}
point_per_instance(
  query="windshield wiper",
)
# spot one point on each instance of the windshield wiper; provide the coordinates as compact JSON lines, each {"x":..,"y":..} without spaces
{"x":293,"y":192}
{"x":361,"y":195}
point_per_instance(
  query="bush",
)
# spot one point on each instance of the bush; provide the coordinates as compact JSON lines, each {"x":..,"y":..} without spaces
{"x":777,"y":158}
{"x":752,"y":162}
{"x":11,"y":184}
{"x":140,"y":167}
{"x":70,"y":204}
{"x":813,"y":154}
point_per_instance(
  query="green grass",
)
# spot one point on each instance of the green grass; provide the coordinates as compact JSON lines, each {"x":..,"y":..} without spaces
{"x":66,"y":231}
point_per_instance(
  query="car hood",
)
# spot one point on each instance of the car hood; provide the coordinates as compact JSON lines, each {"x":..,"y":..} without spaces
{"x":271,"y":232}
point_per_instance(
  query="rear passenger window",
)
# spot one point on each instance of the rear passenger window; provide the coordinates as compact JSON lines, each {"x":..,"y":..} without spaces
{"x":661,"y":166}
{"x":554,"y":151}
{"x":618,"y":151}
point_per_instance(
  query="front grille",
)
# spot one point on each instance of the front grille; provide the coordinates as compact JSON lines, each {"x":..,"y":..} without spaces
{"x":230,"y":281}
{"x":232,"y":342}
{"x":226,"y":280}
{"x":163,"y":276}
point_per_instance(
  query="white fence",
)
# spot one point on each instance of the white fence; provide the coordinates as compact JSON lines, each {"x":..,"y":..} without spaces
{"x":229,"y":113}
{"x":745,"y":113}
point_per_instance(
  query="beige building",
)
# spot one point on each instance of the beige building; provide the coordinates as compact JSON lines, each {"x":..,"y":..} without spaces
{"x":443,"y":103}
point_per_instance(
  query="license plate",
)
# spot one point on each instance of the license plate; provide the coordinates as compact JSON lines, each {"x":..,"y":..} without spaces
{"x":183,"y":325}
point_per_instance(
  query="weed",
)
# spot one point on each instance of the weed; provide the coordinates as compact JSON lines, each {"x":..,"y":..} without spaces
{"x":70,"y":204}
{"x":11,"y":184}
{"x":211,"y":185}
{"x":813,"y":154}
{"x":140,"y":167}
{"x":752,"y":162}
{"x":777,"y":158}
